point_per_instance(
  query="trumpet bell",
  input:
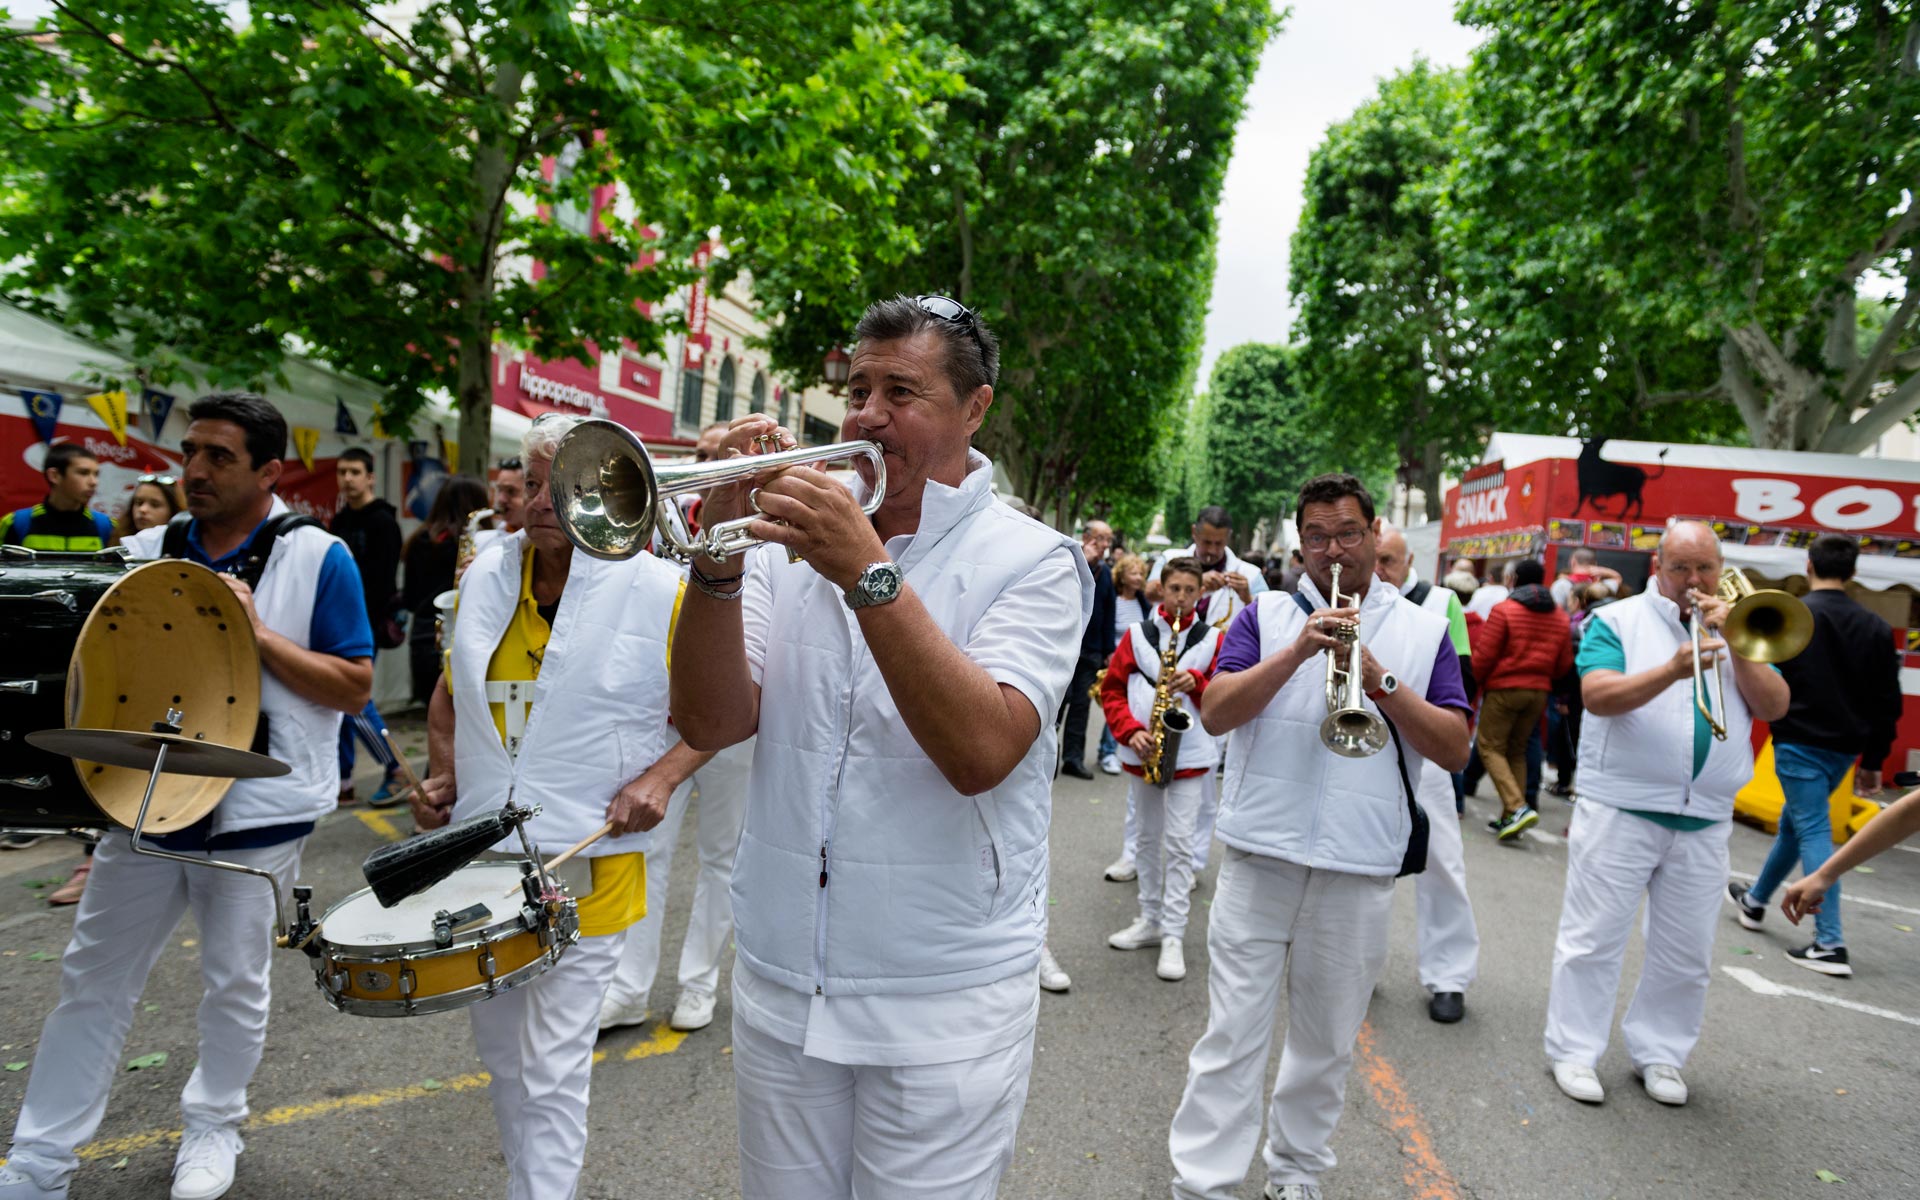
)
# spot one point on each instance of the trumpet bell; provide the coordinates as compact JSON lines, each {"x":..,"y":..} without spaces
{"x":605,"y":492}
{"x":1353,"y":733}
{"x":1768,"y":626}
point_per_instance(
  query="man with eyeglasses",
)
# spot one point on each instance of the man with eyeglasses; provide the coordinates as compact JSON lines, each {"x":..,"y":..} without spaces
{"x":890,"y":898}
{"x":1314,"y":843}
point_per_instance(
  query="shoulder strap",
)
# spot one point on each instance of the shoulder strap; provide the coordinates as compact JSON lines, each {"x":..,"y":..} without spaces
{"x":1150,"y":630}
{"x":173,"y":544}
{"x":1306,"y":605}
{"x":260,"y":549}
{"x":1195,"y":632}
{"x":1420,"y":592}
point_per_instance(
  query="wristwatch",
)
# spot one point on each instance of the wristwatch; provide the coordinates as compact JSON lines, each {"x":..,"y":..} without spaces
{"x":878,"y":583}
{"x":1389,"y":684}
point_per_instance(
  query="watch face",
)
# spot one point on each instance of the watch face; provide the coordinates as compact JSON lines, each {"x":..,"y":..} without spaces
{"x":882,"y":581}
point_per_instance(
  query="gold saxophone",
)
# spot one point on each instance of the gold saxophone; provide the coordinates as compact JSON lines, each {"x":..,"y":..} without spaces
{"x":1169,"y":721}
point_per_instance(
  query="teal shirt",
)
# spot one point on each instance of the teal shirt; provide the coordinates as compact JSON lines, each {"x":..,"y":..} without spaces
{"x":1600,"y":650}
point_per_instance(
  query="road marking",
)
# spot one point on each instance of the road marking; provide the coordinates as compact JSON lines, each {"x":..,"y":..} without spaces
{"x":662,"y":1041}
{"x":1850,"y":898}
{"x":1755,"y":982}
{"x":380,"y":826}
{"x":1426,"y":1177}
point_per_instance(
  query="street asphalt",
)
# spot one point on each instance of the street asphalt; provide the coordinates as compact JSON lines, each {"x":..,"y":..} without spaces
{"x":1819,"y":1077}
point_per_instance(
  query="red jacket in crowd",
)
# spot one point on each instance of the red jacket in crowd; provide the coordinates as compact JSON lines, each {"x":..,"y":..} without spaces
{"x":1524,"y":642}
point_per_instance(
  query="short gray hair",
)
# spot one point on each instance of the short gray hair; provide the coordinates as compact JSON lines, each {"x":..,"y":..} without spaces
{"x":973,"y":353}
{"x":542,"y":437}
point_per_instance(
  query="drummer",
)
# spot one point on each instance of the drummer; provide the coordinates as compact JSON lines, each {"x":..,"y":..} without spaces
{"x":590,"y":745}
{"x":316,"y":654}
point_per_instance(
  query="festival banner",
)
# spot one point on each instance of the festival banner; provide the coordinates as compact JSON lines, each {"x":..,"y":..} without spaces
{"x":111,"y":407}
{"x":343,"y":420}
{"x":44,"y":410}
{"x":159,"y":406}
{"x":305,"y":442}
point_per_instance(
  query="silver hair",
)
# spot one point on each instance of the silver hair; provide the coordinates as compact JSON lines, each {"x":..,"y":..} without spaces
{"x":542,"y":437}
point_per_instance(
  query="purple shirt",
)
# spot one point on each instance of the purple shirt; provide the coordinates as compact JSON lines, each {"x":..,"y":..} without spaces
{"x":1240,"y":649}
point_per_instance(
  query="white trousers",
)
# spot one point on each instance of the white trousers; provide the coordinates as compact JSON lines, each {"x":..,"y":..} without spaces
{"x":1324,"y":935}
{"x":1202,"y":838}
{"x":1443,"y":913}
{"x":125,"y":921}
{"x":1613,"y":859}
{"x":722,"y":807}
{"x":537,"y":1043}
{"x":817,"y":1130}
{"x":1165,"y":818}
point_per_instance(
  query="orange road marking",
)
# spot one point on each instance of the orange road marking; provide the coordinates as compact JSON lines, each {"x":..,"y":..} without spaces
{"x":1427,"y":1178}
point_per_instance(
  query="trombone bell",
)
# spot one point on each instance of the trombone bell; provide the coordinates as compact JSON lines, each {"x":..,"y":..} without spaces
{"x":1765,"y":624}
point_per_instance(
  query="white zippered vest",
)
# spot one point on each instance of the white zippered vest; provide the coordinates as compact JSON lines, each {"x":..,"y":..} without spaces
{"x":1644,"y":759}
{"x":861,"y":870}
{"x":599,"y":714}
{"x":1289,"y":797}
{"x":1197,"y":748}
{"x":1435,"y":785}
{"x":301,"y":733}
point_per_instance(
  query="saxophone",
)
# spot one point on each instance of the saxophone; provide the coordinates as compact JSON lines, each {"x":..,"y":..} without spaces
{"x":1169,"y":721}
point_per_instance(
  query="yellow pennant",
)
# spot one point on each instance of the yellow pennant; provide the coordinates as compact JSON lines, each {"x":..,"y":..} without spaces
{"x":111,"y":407}
{"x":452,"y":451}
{"x":304,"y":442}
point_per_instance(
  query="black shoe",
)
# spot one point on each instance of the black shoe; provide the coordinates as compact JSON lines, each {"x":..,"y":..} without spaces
{"x":20,"y":841}
{"x":1447,"y":1007}
{"x":1750,"y":913}
{"x":1560,"y":788}
{"x":1828,"y":960}
{"x":1076,"y":770}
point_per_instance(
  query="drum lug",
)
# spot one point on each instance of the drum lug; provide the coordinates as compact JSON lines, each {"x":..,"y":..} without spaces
{"x":32,"y":783}
{"x":333,"y":983}
{"x":23,"y":687}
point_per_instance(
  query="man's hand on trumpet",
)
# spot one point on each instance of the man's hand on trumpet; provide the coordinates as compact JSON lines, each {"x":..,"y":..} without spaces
{"x":1321,"y":631}
{"x":749,"y":435}
{"x":818,"y":518}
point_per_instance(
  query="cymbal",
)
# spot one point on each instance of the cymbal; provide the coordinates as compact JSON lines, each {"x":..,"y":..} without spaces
{"x":132,"y":748}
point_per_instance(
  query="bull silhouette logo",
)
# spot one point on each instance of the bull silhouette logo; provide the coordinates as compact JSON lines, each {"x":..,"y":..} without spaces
{"x":1600,"y":479}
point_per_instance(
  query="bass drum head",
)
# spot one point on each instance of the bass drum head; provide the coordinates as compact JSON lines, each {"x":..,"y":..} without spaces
{"x":169,"y":634}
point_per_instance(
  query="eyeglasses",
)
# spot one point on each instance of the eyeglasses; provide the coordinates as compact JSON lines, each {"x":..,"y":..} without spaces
{"x":1348,"y":539}
{"x":162,"y":480}
{"x":946,"y":308}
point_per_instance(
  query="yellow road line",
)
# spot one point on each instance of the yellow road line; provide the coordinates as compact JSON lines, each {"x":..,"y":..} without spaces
{"x":662,"y":1041}
{"x":380,"y":826}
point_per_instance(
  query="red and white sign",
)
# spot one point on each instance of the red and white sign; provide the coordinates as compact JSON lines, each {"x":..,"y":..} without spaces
{"x":533,"y":386}
{"x":699,"y":341}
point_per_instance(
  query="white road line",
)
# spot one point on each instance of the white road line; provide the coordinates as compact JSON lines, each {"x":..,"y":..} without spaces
{"x":1753,"y":981}
{"x":1850,"y":898}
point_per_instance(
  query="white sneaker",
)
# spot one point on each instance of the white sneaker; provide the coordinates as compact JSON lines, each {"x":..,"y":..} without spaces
{"x":1173,"y":965}
{"x":694,"y":1010}
{"x":18,"y":1185}
{"x":1580,"y":1082}
{"x":1121,"y":871}
{"x":1052,"y":978}
{"x":1137,"y":936}
{"x":203,"y":1170}
{"x":1110,"y":764}
{"x":1663,"y":1083}
{"x":615,"y":1015}
{"x":1291,"y":1191}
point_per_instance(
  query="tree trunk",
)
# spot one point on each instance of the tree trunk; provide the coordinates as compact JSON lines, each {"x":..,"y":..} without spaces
{"x":475,"y":404}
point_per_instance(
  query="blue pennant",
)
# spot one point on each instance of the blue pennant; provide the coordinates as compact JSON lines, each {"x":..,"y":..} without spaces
{"x":44,"y":409}
{"x":159,"y":407}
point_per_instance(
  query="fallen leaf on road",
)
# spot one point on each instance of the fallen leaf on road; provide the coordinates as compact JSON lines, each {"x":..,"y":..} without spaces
{"x":1904,"y":928}
{"x":1839,"y":1091}
{"x":16,"y":1066}
{"x":1826,"y":1176}
{"x":42,"y":956}
{"x":147,"y":1060}
{"x":188,"y":944}
{"x":1743,"y":950}
{"x":1863,"y":871}
{"x":152,"y":1007}
{"x":119,"y":1166}
{"x":432,"y":1085}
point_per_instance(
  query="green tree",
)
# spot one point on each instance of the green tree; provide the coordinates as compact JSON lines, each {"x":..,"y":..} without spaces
{"x":369,"y":190}
{"x":1070,"y":200}
{"x":1679,"y":206}
{"x":1187,"y":481}
{"x":1261,"y":441}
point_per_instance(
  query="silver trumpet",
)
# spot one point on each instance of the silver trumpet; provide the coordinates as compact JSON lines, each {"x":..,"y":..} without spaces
{"x":610,"y":496}
{"x":1349,"y":730}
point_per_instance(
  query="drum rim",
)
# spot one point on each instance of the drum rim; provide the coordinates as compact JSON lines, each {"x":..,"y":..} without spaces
{"x":364,"y":953}
{"x":441,"y":1002}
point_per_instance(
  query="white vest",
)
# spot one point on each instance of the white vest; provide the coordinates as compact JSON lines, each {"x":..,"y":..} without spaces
{"x":1644,"y":759}
{"x":599,"y":715}
{"x":1287,"y":796}
{"x":1435,"y":785}
{"x":301,"y":733}
{"x":926,"y":890}
{"x":1197,"y":750}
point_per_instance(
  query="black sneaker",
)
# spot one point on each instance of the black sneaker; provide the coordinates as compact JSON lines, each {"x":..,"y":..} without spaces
{"x":1828,"y":960}
{"x":1749,"y":913}
{"x":1447,"y":1007}
{"x":20,"y":841}
{"x":1516,"y":823}
{"x":1076,"y":770}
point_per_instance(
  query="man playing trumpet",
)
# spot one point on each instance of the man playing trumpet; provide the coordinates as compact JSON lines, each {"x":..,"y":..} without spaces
{"x":1656,"y":808}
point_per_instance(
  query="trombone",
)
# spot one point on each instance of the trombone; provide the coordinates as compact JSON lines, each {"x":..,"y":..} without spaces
{"x":610,"y":497}
{"x":1765,"y":625}
{"x":1349,"y":729}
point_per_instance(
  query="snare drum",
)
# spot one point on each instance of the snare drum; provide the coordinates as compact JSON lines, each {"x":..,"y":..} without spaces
{"x":459,"y":942}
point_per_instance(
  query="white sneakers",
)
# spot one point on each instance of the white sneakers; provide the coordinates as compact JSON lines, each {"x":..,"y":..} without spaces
{"x":1579,"y":1081}
{"x":1052,"y":978}
{"x":1121,"y":871}
{"x":1110,"y":764}
{"x":1663,"y":1083}
{"x":203,"y":1170}
{"x":1173,"y":965}
{"x":615,"y":1015}
{"x":693,"y":1011}
{"x":1291,"y":1191}
{"x":18,"y":1185}
{"x":1137,"y":936}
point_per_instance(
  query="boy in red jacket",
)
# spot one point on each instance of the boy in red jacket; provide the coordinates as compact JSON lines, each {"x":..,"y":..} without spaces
{"x":1519,"y":651}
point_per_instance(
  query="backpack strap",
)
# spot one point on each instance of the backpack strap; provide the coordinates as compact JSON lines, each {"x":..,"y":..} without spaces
{"x":1420,"y":592}
{"x":259,"y":549}
{"x":173,"y":544}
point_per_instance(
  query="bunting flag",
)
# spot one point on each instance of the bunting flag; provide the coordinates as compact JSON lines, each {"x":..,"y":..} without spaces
{"x":111,"y":407}
{"x":343,"y":420}
{"x":159,"y":406}
{"x":450,"y":453}
{"x":305,"y":441}
{"x":44,"y":410}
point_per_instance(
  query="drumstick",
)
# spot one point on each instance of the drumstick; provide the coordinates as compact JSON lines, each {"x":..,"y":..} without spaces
{"x":572,"y":850}
{"x":406,"y":768}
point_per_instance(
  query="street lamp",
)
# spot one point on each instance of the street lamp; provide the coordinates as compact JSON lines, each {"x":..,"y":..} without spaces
{"x":837,"y":367}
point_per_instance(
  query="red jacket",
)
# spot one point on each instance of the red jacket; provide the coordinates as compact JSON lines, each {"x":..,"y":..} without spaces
{"x":1524,"y":642}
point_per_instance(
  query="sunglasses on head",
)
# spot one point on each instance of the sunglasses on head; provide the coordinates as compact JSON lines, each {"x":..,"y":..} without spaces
{"x":510,"y":463}
{"x":946,"y":308}
{"x":162,"y":480}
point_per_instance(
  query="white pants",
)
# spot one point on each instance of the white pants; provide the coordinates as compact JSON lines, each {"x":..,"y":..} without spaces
{"x":722,"y":806}
{"x":1202,"y":839}
{"x":817,"y":1130}
{"x":1443,"y":914}
{"x":537,"y":1043}
{"x":1613,"y":859}
{"x":1165,"y":818}
{"x":1322,"y":933}
{"x":125,"y":922}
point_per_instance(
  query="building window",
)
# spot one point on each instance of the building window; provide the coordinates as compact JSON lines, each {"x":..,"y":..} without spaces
{"x":820,"y":433}
{"x":567,"y":214}
{"x":693,"y":382}
{"x":723,"y":396}
{"x":759,"y":391}
{"x":786,"y":408}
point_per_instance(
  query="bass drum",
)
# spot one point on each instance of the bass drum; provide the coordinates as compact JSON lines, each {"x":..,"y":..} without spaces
{"x":91,"y":641}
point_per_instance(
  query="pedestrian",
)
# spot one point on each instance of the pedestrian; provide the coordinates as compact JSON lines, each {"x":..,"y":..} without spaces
{"x":430,"y":556}
{"x":1314,"y":842}
{"x":155,"y":499}
{"x":371,"y":530}
{"x":1656,"y":808}
{"x":1096,"y":646}
{"x":1583,"y":568}
{"x":1811,"y":892}
{"x":1491,"y":593}
{"x":1130,"y":607}
{"x":64,"y":522}
{"x":1521,"y":649}
{"x":1846,"y":704}
{"x":1296,"y":566}
{"x":1564,"y":709}
{"x":1231,"y":581}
